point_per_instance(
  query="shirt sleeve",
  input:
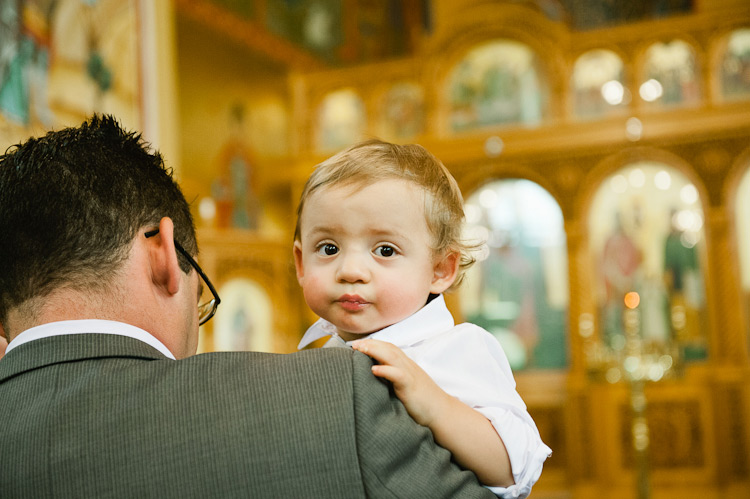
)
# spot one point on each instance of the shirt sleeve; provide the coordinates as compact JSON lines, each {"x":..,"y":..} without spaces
{"x":469,"y":364}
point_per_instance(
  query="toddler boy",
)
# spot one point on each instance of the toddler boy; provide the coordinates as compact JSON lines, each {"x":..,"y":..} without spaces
{"x":377,"y":242}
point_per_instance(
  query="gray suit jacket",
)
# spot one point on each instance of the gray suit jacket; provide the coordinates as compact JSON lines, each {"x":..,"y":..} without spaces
{"x":96,"y":416}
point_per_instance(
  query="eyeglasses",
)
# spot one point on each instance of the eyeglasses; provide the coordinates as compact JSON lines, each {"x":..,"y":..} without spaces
{"x":206,"y":309}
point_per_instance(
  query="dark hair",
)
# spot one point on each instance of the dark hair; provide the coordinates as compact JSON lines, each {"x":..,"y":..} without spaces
{"x":71,"y":204}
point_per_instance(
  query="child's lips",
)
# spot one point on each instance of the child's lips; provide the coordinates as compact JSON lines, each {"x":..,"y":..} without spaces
{"x":352,"y":303}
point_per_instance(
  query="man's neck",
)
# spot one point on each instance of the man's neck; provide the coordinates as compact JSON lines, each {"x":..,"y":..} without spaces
{"x":60,"y":305}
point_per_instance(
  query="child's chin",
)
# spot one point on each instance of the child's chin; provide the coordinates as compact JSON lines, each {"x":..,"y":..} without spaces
{"x":354,"y":335}
{"x":360,"y":333}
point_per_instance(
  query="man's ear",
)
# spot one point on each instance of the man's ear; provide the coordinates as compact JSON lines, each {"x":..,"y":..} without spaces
{"x":3,"y":337}
{"x":165,"y":269}
{"x":298,"y":265}
{"x":445,"y":272}
{"x":3,"y":343}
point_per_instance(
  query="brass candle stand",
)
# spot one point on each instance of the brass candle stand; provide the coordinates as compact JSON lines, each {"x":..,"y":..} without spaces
{"x":631,"y":359}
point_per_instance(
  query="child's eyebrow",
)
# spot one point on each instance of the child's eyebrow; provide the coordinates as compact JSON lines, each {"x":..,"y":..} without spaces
{"x":324,"y":229}
{"x":388,"y":232}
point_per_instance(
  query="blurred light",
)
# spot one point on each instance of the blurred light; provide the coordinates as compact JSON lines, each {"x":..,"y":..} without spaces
{"x":613,"y":375}
{"x":663,"y":180}
{"x":655,"y":372}
{"x":626,"y":97}
{"x":684,"y":220}
{"x":488,"y":198}
{"x":674,"y":219}
{"x":473,"y":213}
{"x":689,"y":239}
{"x":207,"y":208}
{"x":633,"y":129}
{"x":665,"y":361}
{"x":688,"y":220}
{"x":619,"y":184}
{"x":631,"y":363}
{"x":618,"y":342}
{"x":613,"y":91}
{"x":689,"y":194}
{"x":637,"y":178}
{"x":477,"y":235}
{"x":632,"y":299}
{"x":651,"y":90}
{"x":586,"y":325}
{"x":482,"y":253}
{"x":678,"y":316}
{"x":640,"y":435}
{"x":493,"y":146}
{"x":697,"y":221}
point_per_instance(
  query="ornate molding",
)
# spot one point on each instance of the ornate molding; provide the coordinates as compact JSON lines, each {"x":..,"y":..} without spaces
{"x":250,"y":34}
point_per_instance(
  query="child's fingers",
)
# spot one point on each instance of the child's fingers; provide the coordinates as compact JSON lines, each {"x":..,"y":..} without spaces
{"x":412,"y":385}
{"x":383,"y":352}
{"x":392,"y":374}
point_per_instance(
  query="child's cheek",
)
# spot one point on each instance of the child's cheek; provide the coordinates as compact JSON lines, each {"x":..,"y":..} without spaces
{"x":399,"y":302}
{"x":314,"y":290}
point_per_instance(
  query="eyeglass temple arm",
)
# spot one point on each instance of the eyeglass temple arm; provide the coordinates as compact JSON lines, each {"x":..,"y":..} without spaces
{"x":191,"y":260}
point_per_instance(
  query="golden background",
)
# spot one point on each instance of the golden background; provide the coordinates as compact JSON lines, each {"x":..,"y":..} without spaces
{"x":207,"y":82}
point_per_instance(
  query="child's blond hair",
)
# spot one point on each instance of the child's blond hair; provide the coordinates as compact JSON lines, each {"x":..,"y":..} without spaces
{"x":373,"y":160}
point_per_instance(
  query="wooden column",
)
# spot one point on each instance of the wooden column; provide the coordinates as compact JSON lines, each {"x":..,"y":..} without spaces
{"x":726,"y":335}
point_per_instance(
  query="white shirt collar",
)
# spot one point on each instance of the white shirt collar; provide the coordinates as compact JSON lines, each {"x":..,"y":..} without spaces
{"x":431,"y":319}
{"x":86,"y":327}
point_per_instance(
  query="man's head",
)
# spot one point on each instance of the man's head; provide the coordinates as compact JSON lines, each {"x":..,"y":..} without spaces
{"x":374,"y":160}
{"x":71,"y":205}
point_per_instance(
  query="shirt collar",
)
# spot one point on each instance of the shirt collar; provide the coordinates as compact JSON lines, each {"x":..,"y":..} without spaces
{"x":431,"y":319}
{"x":88,"y":326}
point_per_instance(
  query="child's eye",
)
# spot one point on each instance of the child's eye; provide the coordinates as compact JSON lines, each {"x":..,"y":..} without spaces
{"x":327,"y":249}
{"x":385,"y":251}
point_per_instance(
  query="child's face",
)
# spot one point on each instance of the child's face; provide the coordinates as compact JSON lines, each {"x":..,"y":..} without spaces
{"x":364,"y":259}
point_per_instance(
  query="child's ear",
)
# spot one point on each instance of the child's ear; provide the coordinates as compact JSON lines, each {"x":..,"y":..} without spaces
{"x":298,"y":265}
{"x":445,"y":272}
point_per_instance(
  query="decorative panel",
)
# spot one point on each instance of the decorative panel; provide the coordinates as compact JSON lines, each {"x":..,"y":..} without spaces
{"x":742,"y":221}
{"x":62,"y":60}
{"x":550,"y":421}
{"x":341,"y":120}
{"x":497,"y":83}
{"x":518,"y":289}
{"x":646,"y":232}
{"x":403,"y":112}
{"x":735,"y":66}
{"x":671,"y":75}
{"x":675,"y":432}
{"x":598,"y":85}
{"x":244,"y":320}
{"x":316,"y":25}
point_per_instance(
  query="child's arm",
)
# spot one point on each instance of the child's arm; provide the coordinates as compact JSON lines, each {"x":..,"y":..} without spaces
{"x":469,"y":436}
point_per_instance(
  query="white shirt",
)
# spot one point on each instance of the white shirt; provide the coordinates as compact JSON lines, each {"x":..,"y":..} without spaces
{"x":87,"y":326}
{"x":468,"y":363}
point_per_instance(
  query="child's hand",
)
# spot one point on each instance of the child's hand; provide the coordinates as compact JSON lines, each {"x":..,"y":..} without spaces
{"x":469,"y":436}
{"x":421,"y":396}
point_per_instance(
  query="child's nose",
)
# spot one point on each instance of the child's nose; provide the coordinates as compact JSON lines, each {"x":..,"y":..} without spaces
{"x":352,"y":268}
